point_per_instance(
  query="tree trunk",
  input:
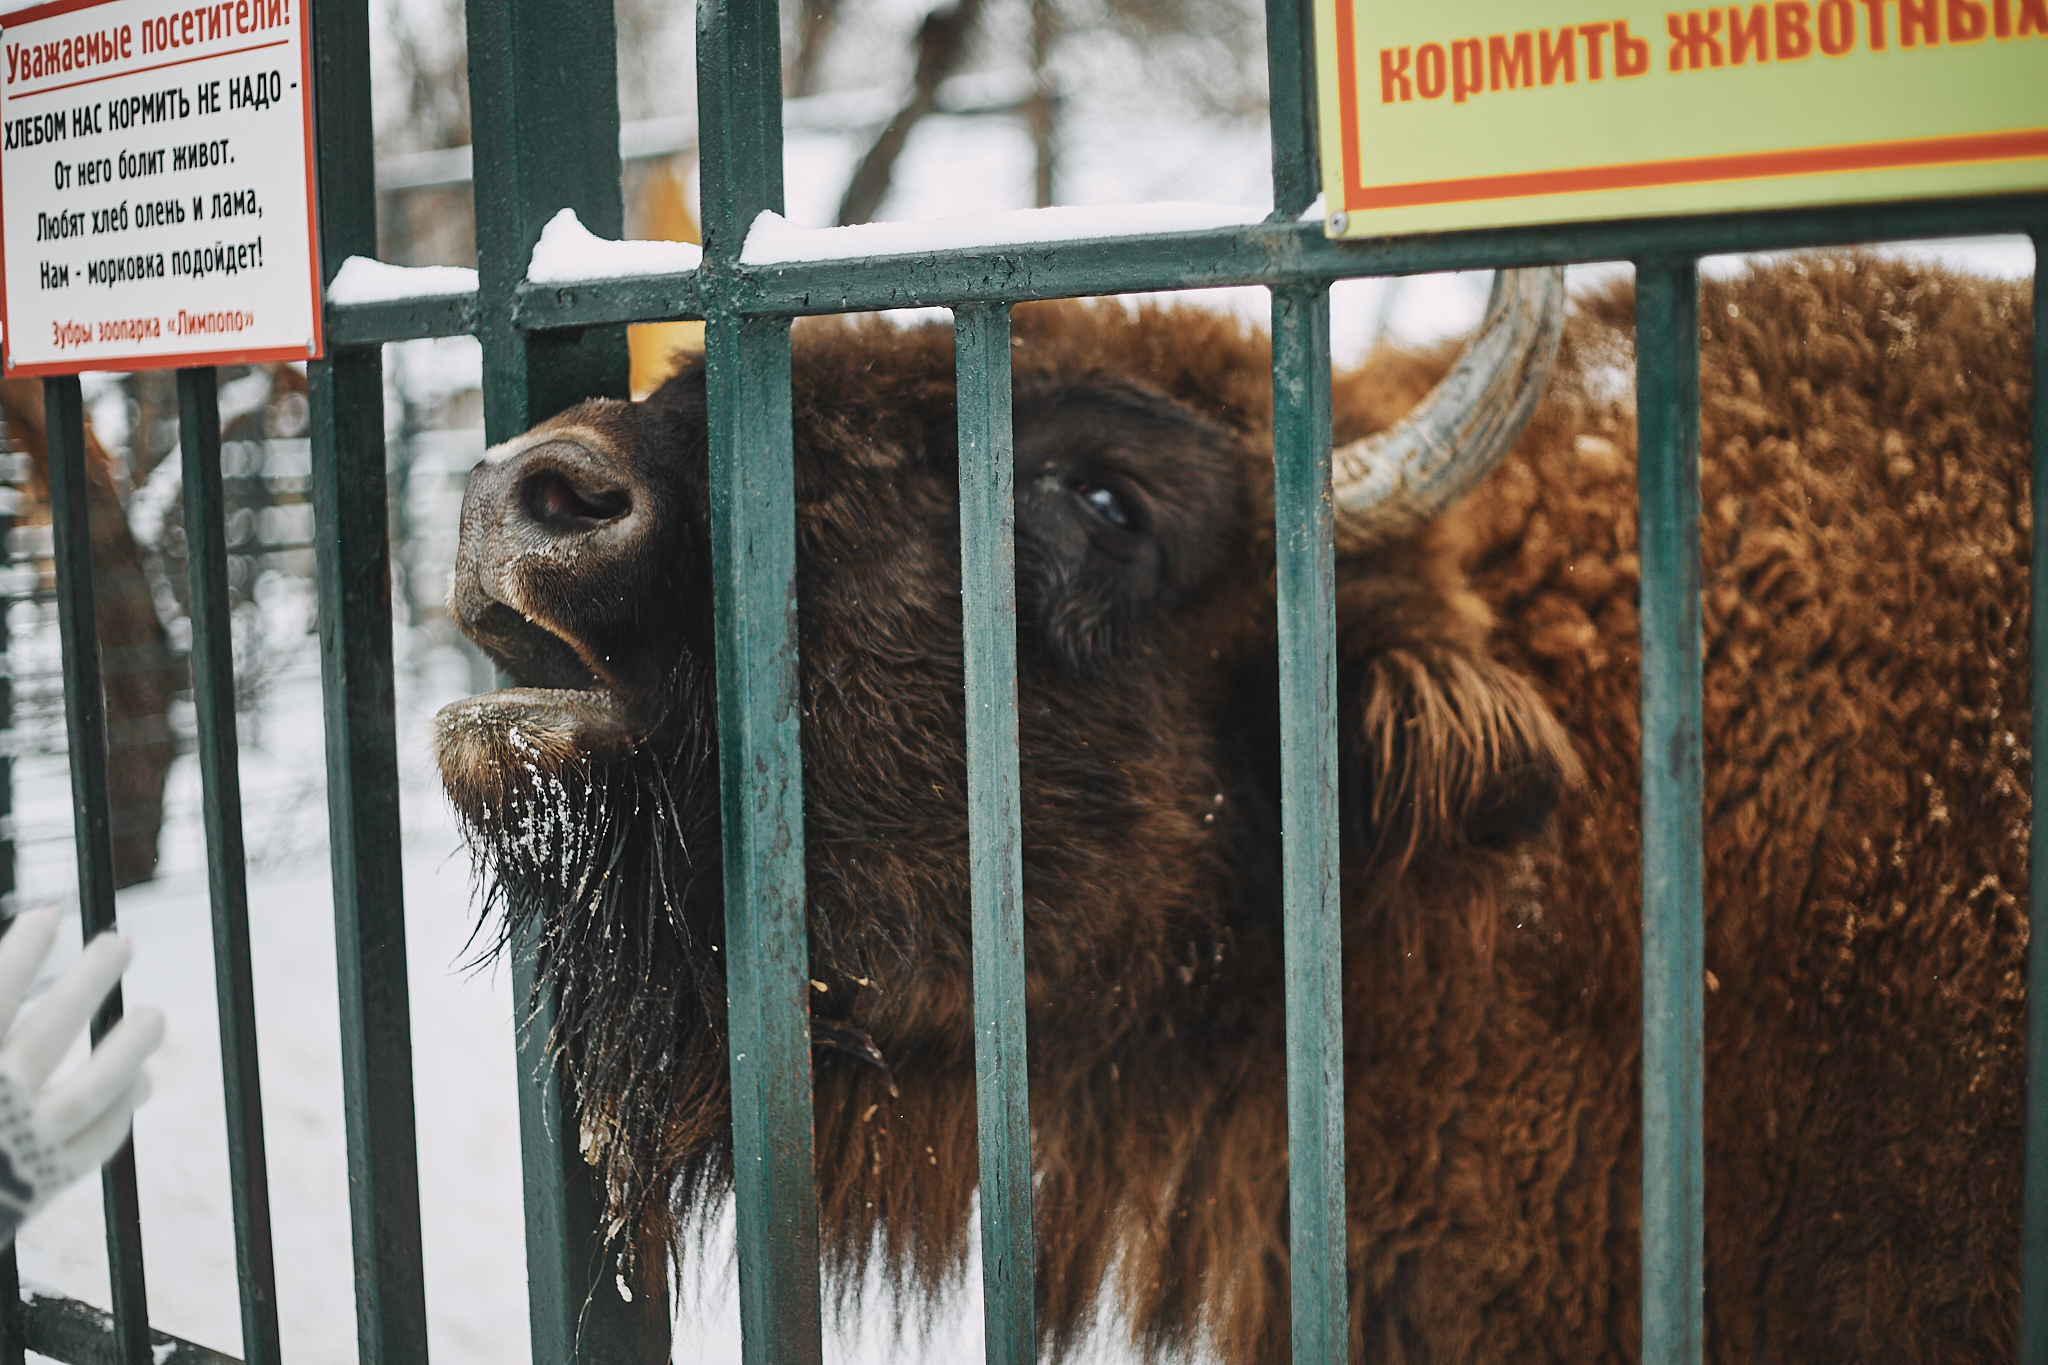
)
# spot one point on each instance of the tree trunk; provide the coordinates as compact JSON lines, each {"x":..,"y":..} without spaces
{"x":1042,"y":108}
{"x":139,"y":669}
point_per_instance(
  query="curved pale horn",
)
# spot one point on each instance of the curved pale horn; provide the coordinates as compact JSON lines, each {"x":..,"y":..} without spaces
{"x":1403,"y":476}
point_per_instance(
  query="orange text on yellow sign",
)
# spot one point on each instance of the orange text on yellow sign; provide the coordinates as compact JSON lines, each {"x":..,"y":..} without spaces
{"x":1470,"y":113}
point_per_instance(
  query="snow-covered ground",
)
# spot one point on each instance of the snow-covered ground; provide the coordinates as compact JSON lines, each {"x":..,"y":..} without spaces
{"x":472,"y":1227}
{"x":469,"y":1170}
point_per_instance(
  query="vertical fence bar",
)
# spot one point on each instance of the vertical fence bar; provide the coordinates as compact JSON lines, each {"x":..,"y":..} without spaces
{"x":753,"y":545}
{"x":85,"y":714}
{"x":1303,"y":542}
{"x":13,"y":1321}
{"x":353,"y":558}
{"x":547,"y":74}
{"x":753,"y":540}
{"x":574,"y":1308}
{"x":1667,"y":439}
{"x":342,"y":126}
{"x":13,"y":1324}
{"x":12,"y":1343}
{"x":213,"y":693}
{"x":739,"y":118}
{"x":1303,"y":529}
{"x":988,"y":593}
{"x":2034,"y":1225}
{"x":10,"y":506}
{"x":1291,"y":104}
{"x":352,"y":553}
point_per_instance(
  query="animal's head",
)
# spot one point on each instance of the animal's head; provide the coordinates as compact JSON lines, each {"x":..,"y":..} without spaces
{"x":1148,"y":712}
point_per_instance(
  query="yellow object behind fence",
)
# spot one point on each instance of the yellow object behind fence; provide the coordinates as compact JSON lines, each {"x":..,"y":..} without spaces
{"x":662,"y":214}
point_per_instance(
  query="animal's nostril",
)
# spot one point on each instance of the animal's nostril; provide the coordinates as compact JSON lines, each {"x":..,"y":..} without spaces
{"x":553,"y":500}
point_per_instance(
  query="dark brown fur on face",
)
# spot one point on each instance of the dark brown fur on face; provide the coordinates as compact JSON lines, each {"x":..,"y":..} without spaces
{"x":1863,"y":485}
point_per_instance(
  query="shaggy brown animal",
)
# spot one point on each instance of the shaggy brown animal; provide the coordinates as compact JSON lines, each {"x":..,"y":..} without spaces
{"x":1864,"y":529}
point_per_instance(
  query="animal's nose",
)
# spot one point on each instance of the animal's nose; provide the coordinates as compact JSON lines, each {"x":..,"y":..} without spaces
{"x":568,"y":500}
{"x":561,"y":490}
{"x":553,"y":524}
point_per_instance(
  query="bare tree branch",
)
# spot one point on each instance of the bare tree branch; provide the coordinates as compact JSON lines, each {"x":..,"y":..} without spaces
{"x":815,"y":20}
{"x":942,"y":45}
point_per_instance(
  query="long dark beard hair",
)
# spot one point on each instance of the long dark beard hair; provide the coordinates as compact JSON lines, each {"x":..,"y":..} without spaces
{"x":608,"y":872}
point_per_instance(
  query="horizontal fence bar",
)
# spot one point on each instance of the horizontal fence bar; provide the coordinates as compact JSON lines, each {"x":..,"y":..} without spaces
{"x":668,"y":298}
{"x":1267,"y":254}
{"x":372,"y":324}
{"x":79,"y":1334}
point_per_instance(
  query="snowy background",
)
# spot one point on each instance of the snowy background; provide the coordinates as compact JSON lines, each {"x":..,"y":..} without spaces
{"x":1122,"y":142}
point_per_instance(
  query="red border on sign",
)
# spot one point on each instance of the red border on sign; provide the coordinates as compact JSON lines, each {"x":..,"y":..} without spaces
{"x":2018,"y":144}
{"x":124,"y":364}
{"x":130,"y":363}
{"x":314,"y":283}
{"x":46,"y":11}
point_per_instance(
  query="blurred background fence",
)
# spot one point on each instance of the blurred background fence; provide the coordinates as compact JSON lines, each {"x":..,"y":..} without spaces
{"x":139,"y":554}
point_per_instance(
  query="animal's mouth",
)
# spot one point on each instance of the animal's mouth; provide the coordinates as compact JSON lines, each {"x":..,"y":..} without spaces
{"x":563,"y":721}
{"x":518,"y":643}
{"x":555,"y":532}
{"x":540,"y":729}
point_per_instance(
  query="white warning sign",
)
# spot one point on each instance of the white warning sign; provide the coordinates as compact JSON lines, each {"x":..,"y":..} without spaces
{"x":156,"y":185}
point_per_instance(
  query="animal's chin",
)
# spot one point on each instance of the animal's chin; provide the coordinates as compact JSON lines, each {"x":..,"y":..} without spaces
{"x":487,"y":744}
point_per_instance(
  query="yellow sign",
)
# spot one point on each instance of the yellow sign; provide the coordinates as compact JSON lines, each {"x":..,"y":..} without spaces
{"x":1468,"y":113}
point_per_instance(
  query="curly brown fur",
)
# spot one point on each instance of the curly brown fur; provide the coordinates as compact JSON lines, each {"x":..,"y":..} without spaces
{"x":1863,"y":485}
{"x":1864,"y":494}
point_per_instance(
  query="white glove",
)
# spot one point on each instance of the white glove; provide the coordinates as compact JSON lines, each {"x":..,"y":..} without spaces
{"x":51,"y":1136}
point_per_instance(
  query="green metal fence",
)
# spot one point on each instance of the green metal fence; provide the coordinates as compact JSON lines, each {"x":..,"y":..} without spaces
{"x":546,"y":117}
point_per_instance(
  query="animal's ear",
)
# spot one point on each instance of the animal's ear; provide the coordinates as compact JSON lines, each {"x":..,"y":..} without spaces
{"x":1444,"y":747}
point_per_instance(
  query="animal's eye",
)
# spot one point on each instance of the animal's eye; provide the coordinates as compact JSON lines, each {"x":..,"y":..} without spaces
{"x":1105,"y":503}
